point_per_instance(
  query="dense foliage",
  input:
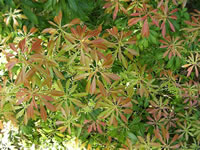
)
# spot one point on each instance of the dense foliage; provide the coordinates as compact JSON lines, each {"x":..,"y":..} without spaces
{"x":114,"y":74}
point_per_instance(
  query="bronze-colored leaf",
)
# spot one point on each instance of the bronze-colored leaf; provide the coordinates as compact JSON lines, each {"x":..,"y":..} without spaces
{"x":56,"y":93}
{"x":12,"y":46}
{"x":50,"y":106}
{"x":36,"y":46}
{"x":22,"y":44}
{"x":93,"y":86}
{"x":58,"y":73}
{"x":1,"y":124}
{"x":43,"y":112}
{"x":81,"y":76}
{"x":127,"y":111}
{"x":101,"y":87}
{"x":123,"y":118}
{"x":112,"y":76}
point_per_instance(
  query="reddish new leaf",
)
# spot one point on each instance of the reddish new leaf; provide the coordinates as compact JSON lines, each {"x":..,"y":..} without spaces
{"x":127,"y":111}
{"x":101,"y":87}
{"x":58,"y":18}
{"x":133,"y":21}
{"x":93,"y":86}
{"x":30,"y":111}
{"x":36,"y":46}
{"x":106,"y":78}
{"x":123,"y":118}
{"x":22,"y":44}
{"x":10,"y":65}
{"x":116,"y":11}
{"x":189,"y":71}
{"x":99,"y":129}
{"x":171,"y":26}
{"x":90,"y":128}
{"x":50,"y":106}
{"x":48,"y":98}
{"x":145,"y":29}
{"x":112,"y":76}
{"x":81,"y":76}
{"x":196,"y":71}
{"x":43,"y":112}
{"x":12,"y":46}
{"x":164,"y":30}
{"x":157,"y":134}
{"x":33,"y":30}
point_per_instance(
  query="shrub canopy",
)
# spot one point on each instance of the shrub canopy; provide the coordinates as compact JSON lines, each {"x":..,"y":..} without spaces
{"x":113,"y":74}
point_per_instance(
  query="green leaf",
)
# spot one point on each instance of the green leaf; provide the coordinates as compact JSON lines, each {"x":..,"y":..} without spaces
{"x":30,"y":4}
{"x":2,"y":2}
{"x":170,"y":63}
{"x":79,"y":132}
{"x":20,"y":113}
{"x":77,"y":102}
{"x":71,"y":60}
{"x":132,"y":137}
{"x":10,"y":3}
{"x":105,"y":113}
{"x":73,"y":5}
{"x":178,"y":62}
{"x":59,"y":85}
{"x":26,"y":129}
{"x":146,"y":44}
{"x":48,"y":4}
{"x":30,"y":15}
{"x":67,"y":85}
{"x":153,"y":39}
{"x":80,"y":94}
{"x":124,"y":62}
{"x":73,"y":88}
{"x":60,"y":134}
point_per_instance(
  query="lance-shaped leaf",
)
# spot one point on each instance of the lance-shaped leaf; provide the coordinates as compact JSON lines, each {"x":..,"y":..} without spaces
{"x":93,"y":86}
{"x":43,"y":112}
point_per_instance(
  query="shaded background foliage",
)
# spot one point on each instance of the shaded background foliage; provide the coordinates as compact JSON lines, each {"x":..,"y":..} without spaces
{"x":193,"y":4}
{"x":39,"y":12}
